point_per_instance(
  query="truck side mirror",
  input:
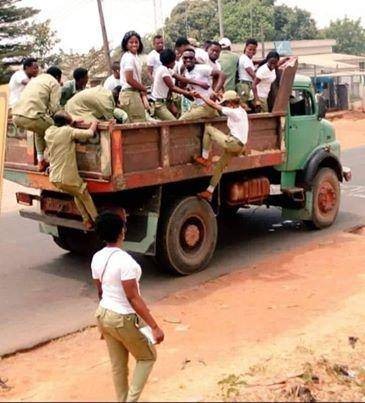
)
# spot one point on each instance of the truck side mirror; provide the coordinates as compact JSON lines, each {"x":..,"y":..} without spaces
{"x":322,"y":109}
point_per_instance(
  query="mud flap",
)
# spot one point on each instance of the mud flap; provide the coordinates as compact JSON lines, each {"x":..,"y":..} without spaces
{"x":300,"y":214}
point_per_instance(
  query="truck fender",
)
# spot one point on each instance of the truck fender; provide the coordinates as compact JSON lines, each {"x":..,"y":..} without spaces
{"x":321,"y":159}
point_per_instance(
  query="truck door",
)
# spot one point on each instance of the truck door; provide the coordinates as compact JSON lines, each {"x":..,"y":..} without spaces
{"x":302,"y":128}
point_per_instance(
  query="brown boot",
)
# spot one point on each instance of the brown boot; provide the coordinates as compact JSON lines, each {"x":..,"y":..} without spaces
{"x":206,"y":195}
{"x":203,"y":161}
{"x":42,"y":165}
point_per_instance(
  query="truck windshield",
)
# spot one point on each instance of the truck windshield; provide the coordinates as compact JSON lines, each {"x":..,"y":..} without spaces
{"x":301,"y":103}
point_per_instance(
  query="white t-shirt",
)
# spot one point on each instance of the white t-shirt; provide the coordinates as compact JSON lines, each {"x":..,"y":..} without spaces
{"x":130,"y":62}
{"x":203,"y":73}
{"x":267,"y":77}
{"x":111,"y":82}
{"x":244,"y":63}
{"x":201,"y":56}
{"x":215,"y":66}
{"x":16,"y":87}
{"x":159,"y":89}
{"x":237,"y":122}
{"x":121,"y":267}
{"x":153,"y":60}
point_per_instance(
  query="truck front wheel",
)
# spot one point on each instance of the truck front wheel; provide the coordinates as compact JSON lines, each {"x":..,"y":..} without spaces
{"x":326,"y":198}
{"x":187,"y":236}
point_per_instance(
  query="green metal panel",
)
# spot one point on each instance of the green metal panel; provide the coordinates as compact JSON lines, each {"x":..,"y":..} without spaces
{"x":302,"y":214}
{"x":146,"y":245}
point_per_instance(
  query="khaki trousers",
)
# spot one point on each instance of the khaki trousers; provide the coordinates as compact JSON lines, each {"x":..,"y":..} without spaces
{"x":38,"y":126}
{"x":232,"y":148}
{"x":82,"y":198}
{"x":162,"y":112}
{"x":122,"y":337}
{"x":244,"y":90}
{"x":199,"y":112}
{"x":131,"y":103}
{"x":264,"y":105}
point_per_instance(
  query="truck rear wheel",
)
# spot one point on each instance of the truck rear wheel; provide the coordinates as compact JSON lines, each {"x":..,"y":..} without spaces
{"x":326,"y":198}
{"x":76,"y":241}
{"x":187,"y":236}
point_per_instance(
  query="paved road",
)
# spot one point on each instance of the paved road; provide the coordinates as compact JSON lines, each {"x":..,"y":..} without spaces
{"x":45,"y":292}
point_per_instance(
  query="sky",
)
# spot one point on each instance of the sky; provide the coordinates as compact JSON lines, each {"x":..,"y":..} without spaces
{"x":78,"y":28}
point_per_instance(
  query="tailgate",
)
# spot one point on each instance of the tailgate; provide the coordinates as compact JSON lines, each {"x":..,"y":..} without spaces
{"x":93,"y":157}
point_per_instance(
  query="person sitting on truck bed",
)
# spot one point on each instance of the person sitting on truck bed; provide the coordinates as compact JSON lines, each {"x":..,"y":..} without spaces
{"x":164,"y":85}
{"x":72,"y":87}
{"x":39,"y":101}
{"x":113,"y":80}
{"x":64,"y":173}
{"x":202,"y":73}
{"x":233,"y":144}
{"x":96,"y":103}
{"x":265,"y":76}
{"x":133,"y":97}
{"x":21,"y":78}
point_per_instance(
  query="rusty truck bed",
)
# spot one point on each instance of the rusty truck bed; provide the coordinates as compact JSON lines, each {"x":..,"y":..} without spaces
{"x":145,"y":154}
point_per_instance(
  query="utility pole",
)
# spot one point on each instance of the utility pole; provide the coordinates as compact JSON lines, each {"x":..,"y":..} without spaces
{"x":105,"y":37}
{"x":220,"y":15}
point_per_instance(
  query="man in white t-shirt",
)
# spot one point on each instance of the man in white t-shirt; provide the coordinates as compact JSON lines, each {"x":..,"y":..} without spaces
{"x":204,"y":74}
{"x":214,"y":51}
{"x":233,"y":144}
{"x":201,"y":55}
{"x":21,"y":78}
{"x":153,"y":58}
{"x":114,"y":79}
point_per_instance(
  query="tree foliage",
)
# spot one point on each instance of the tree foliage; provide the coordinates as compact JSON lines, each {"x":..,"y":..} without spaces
{"x":242,"y":19}
{"x":349,"y":34}
{"x":43,"y":42}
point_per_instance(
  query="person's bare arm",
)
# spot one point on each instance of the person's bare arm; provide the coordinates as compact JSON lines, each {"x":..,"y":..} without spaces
{"x":208,"y":101}
{"x":84,"y":134}
{"x":168,"y":81}
{"x":219,"y":79}
{"x":134,"y":83}
{"x":131,"y":291}
{"x":150,"y":72}
{"x":256,"y":81}
{"x":186,"y":80}
{"x":99,"y":289}
{"x":251,"y":72}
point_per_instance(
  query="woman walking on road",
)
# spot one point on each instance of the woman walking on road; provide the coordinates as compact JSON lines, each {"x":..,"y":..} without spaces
{"x":122,"y":312}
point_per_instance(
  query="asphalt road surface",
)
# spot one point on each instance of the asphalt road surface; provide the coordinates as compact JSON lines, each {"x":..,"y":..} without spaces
{"x":47,"y":292}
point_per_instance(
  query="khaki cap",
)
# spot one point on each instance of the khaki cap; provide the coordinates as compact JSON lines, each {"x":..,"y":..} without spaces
{"x":229,"y":96}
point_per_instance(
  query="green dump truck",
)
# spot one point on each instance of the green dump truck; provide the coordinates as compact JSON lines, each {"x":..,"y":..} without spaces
{"x":147,"y":169}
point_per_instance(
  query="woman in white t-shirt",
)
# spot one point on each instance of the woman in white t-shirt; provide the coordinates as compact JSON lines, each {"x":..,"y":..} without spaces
{"x":265,"y":76}
{"x":122,"y":312}
{"x":246,"y":70}
{"x":133,"y":97}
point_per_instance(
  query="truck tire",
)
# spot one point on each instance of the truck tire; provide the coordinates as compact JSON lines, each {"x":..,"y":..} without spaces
{"x":326,"y":198}
{"x":76,"y":241}
{"x":187,"y":236}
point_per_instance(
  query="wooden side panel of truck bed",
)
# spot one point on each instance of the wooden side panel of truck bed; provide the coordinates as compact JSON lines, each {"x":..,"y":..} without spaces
{"x":146,"y":154}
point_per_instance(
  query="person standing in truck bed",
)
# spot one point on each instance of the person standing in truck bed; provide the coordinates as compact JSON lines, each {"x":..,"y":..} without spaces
{"x":113,"y":80}
{"x":133,"y":97}
{"x":21,"y":78}
{"x":39,"y":101}
{"x":153,"y":59}
{"x":64,"y":174}
{"x":233,"y":144}
{"x":229,"y":63}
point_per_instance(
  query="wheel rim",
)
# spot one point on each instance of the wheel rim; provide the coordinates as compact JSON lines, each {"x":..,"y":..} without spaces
{"x":192,"y":234}
{"x":327,"y":198}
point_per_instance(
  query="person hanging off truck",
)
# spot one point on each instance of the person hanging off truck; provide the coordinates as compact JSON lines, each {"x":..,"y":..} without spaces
{"x":38,"y":102}
{"x":234,"y":144}
{"x":64,"y":174}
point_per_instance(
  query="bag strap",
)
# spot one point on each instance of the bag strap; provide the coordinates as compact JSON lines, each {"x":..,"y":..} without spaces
{"x":105,"y":266}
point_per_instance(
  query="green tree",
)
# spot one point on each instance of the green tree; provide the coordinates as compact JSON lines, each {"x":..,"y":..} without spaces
{"x":349,"y":34}
{"x":293,"y":23}
{"x":43,"y":42}
{"x":258,"y":18}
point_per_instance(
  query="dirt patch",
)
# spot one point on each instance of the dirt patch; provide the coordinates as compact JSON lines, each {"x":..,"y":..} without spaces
{"x":358,"y":230}
{"x":350,"y":129}
{"x":256,"y":326}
